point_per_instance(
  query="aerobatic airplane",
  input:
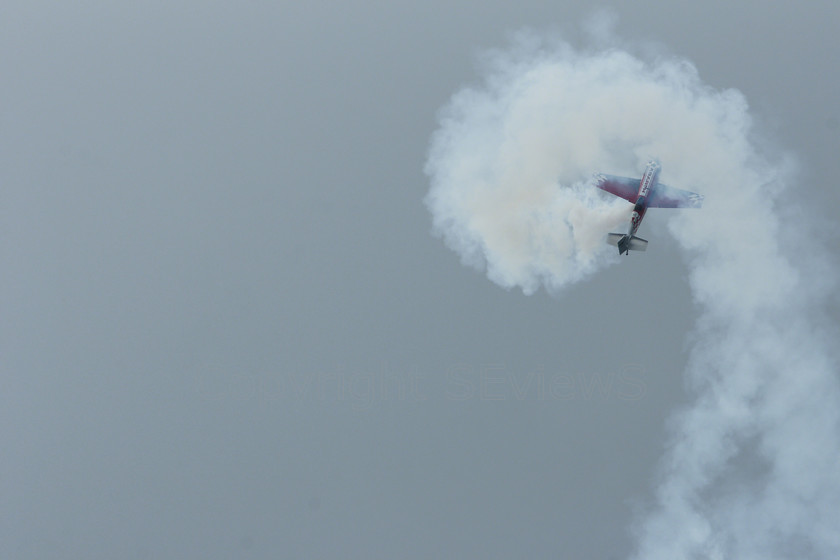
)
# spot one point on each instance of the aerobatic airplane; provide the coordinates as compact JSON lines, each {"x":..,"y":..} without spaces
{"x":645,"y":193}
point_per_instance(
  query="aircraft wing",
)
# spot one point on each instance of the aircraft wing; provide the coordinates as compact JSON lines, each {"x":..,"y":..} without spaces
{"x":625,"y":187}
{"x":668,"y":197}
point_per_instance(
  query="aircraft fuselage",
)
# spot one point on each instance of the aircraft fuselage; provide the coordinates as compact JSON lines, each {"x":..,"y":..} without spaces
{"x":648,"y":182}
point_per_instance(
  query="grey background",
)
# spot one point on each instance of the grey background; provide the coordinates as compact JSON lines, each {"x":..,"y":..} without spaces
{"x":227,"y":332}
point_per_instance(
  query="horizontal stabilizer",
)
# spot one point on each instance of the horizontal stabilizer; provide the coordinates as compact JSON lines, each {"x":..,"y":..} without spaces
{"x":626,"y":243}
{"x":637,"y":244}
{"x":614,"y":238}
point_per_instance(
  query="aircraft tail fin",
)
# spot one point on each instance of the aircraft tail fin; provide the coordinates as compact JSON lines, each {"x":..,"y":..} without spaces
{"x":626,"y":243}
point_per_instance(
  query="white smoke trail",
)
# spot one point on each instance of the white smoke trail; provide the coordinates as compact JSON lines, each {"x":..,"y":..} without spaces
{"x":752,"y":469}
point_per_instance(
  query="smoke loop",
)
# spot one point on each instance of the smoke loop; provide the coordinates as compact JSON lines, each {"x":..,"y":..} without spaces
{"x":752,"y":468}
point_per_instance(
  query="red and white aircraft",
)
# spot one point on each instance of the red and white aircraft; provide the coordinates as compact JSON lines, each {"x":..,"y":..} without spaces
{"x":645,"y":193}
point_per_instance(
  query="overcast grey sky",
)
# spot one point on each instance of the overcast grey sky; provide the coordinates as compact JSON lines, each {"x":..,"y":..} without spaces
{"x":227,"y":330}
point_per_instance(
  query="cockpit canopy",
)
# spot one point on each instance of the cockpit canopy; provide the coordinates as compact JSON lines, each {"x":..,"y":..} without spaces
{"x":640,"y":204}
